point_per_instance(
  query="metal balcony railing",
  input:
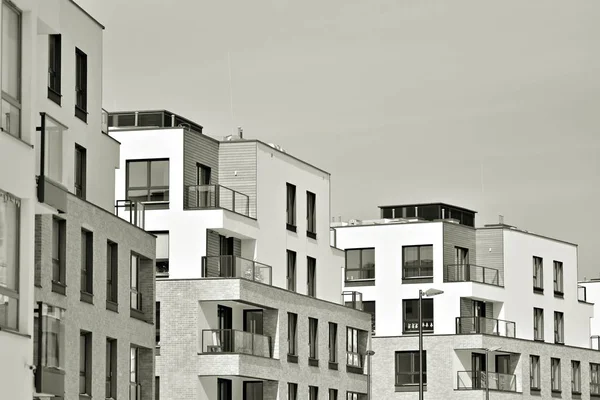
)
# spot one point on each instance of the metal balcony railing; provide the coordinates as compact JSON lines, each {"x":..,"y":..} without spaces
{"x":216,"y":196}
{"x":487,"y":326}
{"x":235,"y":267}
{"x":132,"y":211}
{"x":235,"y":341}
{"x":412,"y":325}
{"x":477,"y":380}
{"x":352,"y":299}
{"x":471,"y":273}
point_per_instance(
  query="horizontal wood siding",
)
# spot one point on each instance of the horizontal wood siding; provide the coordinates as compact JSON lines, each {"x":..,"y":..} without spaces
{"x":237,"y":169}
{"x":198,"y":149}
{"x":490,"y":246}
{"x":458,"y":236}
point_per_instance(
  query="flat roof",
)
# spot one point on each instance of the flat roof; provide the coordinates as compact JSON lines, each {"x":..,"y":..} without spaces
{"x":428,"y":204}
{"x":511,"y":228}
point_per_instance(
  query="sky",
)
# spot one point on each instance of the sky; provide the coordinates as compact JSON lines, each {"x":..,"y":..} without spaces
{"x":488,"y":105}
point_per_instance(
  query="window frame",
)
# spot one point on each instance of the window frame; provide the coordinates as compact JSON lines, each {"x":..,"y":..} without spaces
{"x":291,"y":200}
{"x":426,"y":321}
{"x":112,"y":272}
{"x":59,"y":266}
{"x":311,"y":276}
{"x":361,"y":266}
{"x":11,"y":100}
{"x":558,"y":278}
{"x":311,"y":215}
{"x":313,"y":339}
{"x":313,"y":392}
{"x":538,"y":326}
{"x":555,"y":375}
{"x":538,"y":268}
{"x":13,"y":293}
{"x":87,"y":264}
{"x":420,"y":248}
{"x":594,"y":378}
{"x":333,"y":394}
{"x":134,"y":289}
{"x":534,"y":372}
{"x":559,"y":327}
{"x":85,"y":363}
{"x":54,"y":68}
{"x":292,"y":391}
{"x":354,"y":357}
{"x":333,"y":344}
{"x":412,"y":371}
{"x":163,"y":270}
{"x":148,"y":187}
{"x":81,"y":84}
{"x":575,"y":377}
{"x":111,"y":368}
{"x":81,"y":170}
{"x":292,"y":335}
{"x":291,"y":272}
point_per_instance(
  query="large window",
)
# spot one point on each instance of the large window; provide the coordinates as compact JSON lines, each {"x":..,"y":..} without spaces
{"x":311,"y":265}
{"x":559,"y":327}
{"x":311,"y":215}
{"x":538,"y":274}
{"x":558,"y":278}
{"x":111,"y":368}
{"x":333,"y":353}
{"x":313,"y":339}
{"x":291,"y":270}
{"x":51,"y":343}
{"x":81,"y":85}
{"x":291,"y":207}
{"x":112,"y":272}
{"x":54,"y":67}
{"x":534,"y":372}
{"x":162,"y":254}
{"x":85,"y":363}
{"x":136,"y":297}
{"x":354,"y":356}
{"x":87,"y":263}
{"x":360,"y":264}
{"x":11,"y":69}
{"x":410,"y":315}
{"x":58,"y":255}
{"x":292,"y":334}
{"x":594,"y":378}
{"x":80,"y":171}
{"x":417,"y":262}
{"x":538,"y":324}
{"x":575,"y":377}
{"x":407,"y":368}
{"x":9,"y":261}
{"x":555,"y":374}
{"x":148,"y":180}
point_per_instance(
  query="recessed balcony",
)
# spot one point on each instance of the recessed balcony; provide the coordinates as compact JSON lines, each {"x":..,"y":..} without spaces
{"x":236,"y":267}
{"x":471,"y":273}
{"x":486,"y":326}
{"x":236,"y":341}
{"x":480,"y":380}
{"x":201,"y":197}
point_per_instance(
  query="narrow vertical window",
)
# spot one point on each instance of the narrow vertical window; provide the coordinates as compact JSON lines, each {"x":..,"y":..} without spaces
{"x":313,"y":341}
{"x":136,"y":297}
{"x":54,"y":67}
{"x":313,"y":393}
{"x":292,"y":391}
{"x":538,"y":275}
{"x":311,"y":276}
{"x":85,"y":363}
{"x":80,"y":171}
{"x":81,"y":85}
{"x":157,"y":324}
{"x":558,"y":278}
{"x":11,"y":69}
{"x":134,"y":382}
{"x":111,"y":368}
{"x":559,"y":332}
{"x":292,"y":335}
{"x":333,"y":353}
{"x":291,"y":270}
{"x":538,"y":324}
{"x":9,"y":261}
{"x":311,"y":217}
{"x":534,"y":372}
{"x":291,"y":207}
{"x":575,"y":377}
{"x":555,"y":374}
{"x":58,"y":256}
{"x":112,"y":273}
{"x":594,"y":378}
{"x":87,"y":265}
{"x":333,"y":394}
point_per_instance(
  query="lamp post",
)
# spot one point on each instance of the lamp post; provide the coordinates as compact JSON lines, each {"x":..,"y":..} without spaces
{"x":369,"y":354}
{"x":487,"y":374}
{"x":427,"y":293}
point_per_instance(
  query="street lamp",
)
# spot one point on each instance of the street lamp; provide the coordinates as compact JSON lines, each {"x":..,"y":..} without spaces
{"x":369,"y":354}
{"x":487,"y":374}
{"x":427,"y":293}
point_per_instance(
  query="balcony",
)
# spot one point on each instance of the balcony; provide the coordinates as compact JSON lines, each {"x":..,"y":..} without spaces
{"x":199,"y":197}
{"x":478,"y":380}
{"x":133,"y":212}
{"x":235,"y":267}
{"x":471,"y":273}
{"x":486,"y":326}
{"x":352,"y":299}
{"x":235,"y":341}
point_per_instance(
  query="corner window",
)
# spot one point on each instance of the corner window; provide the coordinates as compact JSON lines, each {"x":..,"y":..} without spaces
{"x":148,"y":180}
{"x":162,"y":254}
{"x":11,"y":69}
{"x":291,"y":207}
{"x":311,"y":221}
{"x":558,"y":278}
{"x":417,"y":262}
{"x":538,"y":274}
{"x":81,"y":85}
{"x":534,"y":372}
{"x":407,"y":368}
{"x":555,"y":374}
{"x":53,"y":149}
{"x":538,"y":324}
{"x":50,"y":346}
{"x":9,"y":260}
{"x":80,"y":171}
{"x":410,"y":315}
{"x":291,"y":270}
{"x":54,"y":67}
{"x":311,"y":265}
{"x":559,"y":328}
{"x":360,"y":264}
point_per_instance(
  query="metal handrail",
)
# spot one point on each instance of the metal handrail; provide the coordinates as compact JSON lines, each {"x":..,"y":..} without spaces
{"x":471,"y":273}
{"x":135,"y":212}
{"x":477,"y":380}
{"x":484,"y":325}
{"x":228,"y":266}
{"x":216,"y":196}
{"x":352,"y":299}
{"x":236,"y":341}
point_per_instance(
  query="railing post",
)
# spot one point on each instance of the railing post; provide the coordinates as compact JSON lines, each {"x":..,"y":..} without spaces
{"x":233,"y":200}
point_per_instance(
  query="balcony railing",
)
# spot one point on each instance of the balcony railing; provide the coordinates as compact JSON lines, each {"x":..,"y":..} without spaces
{"x":487,"y":326}
{"x":132,"y":211}
{"x":476,"y":380}
{"x":352,"y":299}
{"x":417,"y":269}
{"x":234,"y":341}
{"x":412,"y":325}
{"x":472,"y":273}
{"x":595,"y":342}
{"x":216,"y":196}
{"x":135,"y":391}
{"x":235,"y":267}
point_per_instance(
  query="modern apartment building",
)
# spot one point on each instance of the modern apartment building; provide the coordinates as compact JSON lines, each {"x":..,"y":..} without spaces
{"x":76,"y":281}
{"x":510,"y":317}
{"x":249,"y":288}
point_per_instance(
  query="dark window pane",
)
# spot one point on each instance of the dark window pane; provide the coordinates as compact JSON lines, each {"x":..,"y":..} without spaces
{"x":387,"y":213}
{"x":352,"y":258}
{"x":150,"y":119}
{"x":137,"y":174}
{"x":159,"y":173}
{"x":368,"y":258}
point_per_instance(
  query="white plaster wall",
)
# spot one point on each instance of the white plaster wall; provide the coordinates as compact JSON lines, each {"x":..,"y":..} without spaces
{"x":593,"y":296}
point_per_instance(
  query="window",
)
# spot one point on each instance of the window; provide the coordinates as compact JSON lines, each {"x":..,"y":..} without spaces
{"x":292,"y":391}
{"x":333,"y":358}
{"x":87,"y":264}
{"x":111,"y":368}
{"x":148,"y":180}
{"x":555,"y":374}
{"x":369,"y":306}
{"x":313,"y":340}
{"x":9,"y":261}
{"x":311,"y":276}
{"x":558,"y":278}
{"x":355,"y":396}
{"x":157,"y":388}
{"x":51,"y":344}
{"x":136,"y":296}
{"x":360,"y":264}
{"x":311,"y":221}
{"x":80,"y":171}
{"x":594,"y":378}
{"x":58,"y":255}
{"x":538,"y":324}
{"x":538,"y":274}
{"x":134,"y":386}
{"x":417,"y":262}
{"x":575,"y":377}
{"x":410,"y":315}
{"x":54,"y":66}
{"x":292,"y":332}
{"x":11,"y":69}
{"x":559,"y":333}
{"x":80,"y":85}
{"x":53,"y":149}
{"x":224,"y":389}
{"x":157,"y":324}
{"x":291,"y":270}
{"x":162,"y":254}
{"x":534,"y":372}
{"x":112,"y":272}
{"x":333,"y":394}
{"x":252,"y":390}
{"x":354,"y":358}
{"x":85,"y":363}
{"x":407,"y":368}
{"x":461,"y":256}
{"x":291,"y":207}
{"x":313,"y":393}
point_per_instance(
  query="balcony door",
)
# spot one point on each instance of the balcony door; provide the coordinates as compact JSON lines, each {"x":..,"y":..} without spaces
{"x":253,"y":321}
{"x":227,"y":264}
{"x":224,"y":316}
{"x":203,"y":178}
{"x":478,"y":368}
{"x":479,"y":316}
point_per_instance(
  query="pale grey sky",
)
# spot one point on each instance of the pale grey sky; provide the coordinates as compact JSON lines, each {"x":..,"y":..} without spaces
{"x":490,"y":105}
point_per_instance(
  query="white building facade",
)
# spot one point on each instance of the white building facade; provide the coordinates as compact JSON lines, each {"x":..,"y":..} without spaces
{"x":534,"y":331}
